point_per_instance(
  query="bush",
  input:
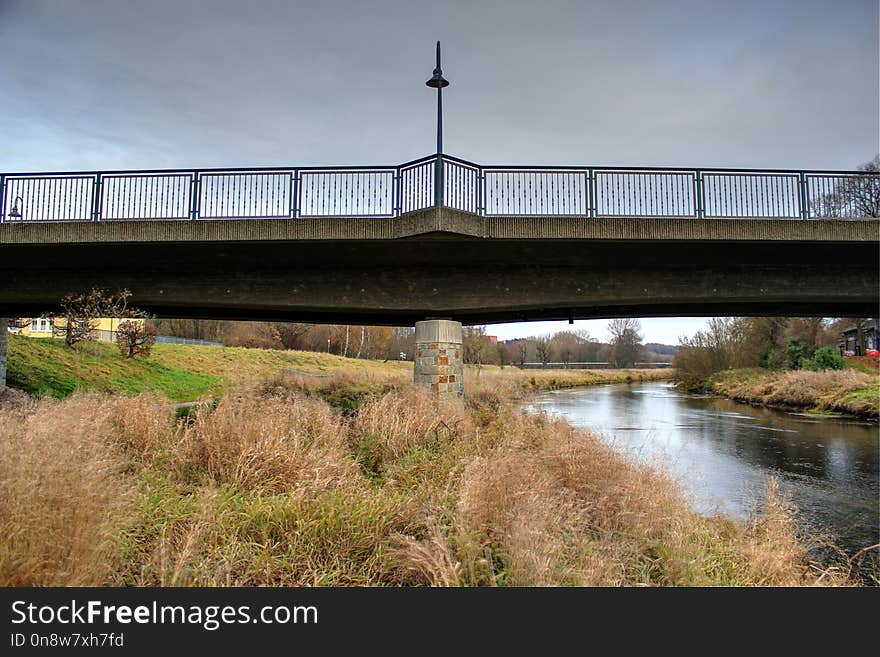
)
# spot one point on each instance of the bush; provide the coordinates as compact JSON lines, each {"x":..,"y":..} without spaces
{"x":825,"y":359}
{"x":795,"y":354}
{"x":135,"y":338}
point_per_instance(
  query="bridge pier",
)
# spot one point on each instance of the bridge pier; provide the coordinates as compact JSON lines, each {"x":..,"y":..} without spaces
{"x":2,"y":353}
{"x":438,"y":357}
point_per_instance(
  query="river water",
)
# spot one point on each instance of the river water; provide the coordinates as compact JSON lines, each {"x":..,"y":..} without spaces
{"x":722,"y":453}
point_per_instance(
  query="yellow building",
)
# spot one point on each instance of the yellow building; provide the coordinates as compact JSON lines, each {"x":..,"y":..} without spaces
{"x":41,"y":327}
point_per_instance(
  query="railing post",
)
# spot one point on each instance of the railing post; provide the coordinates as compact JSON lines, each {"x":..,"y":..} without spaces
{"x":592,"y":206}
{"x":802,"y":185}
{"x":481,"y":181}
{"x":295,"y":194}
{"x":98,"y":193}
{"x":291,"y":209}
{"x":2,"y":198}
{"x":438,"y":181}
{"x":699,"y":195}
{"x":195,"y":196}
{"x":397,"y":210}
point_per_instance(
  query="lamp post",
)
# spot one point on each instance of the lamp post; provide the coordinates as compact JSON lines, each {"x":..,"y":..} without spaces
{"x":437,"y":82}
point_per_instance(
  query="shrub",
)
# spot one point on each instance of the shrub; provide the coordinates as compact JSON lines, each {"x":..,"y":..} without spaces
{"x":795,"y":354}
{"x":135,"y":338}
{"x":825,"y":358}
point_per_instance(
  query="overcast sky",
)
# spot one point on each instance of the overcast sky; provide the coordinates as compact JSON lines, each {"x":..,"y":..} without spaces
{"x":103,"y":84}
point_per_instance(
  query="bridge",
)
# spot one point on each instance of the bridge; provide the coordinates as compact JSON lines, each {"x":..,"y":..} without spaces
{"x":371,"y":245}
{"x":505,"y":243}
{"x":444,"y":238}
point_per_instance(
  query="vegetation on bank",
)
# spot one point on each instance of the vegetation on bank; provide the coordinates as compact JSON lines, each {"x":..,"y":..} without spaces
{"x":273,"y":486}
{"x":846,"y":391}
{"x":46,"y":367}
{"x":777,"y":362}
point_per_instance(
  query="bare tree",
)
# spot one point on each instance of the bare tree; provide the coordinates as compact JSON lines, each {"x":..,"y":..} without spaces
{"x":522,"y":349}
{"x":80,"y":313}
{"x":347,"y":337}
{"x":852,"y":196}
{"x":566,"y":345}
{"x":135,"y":338}
{"x":626,"y":341}
{"x":476,"y":346}
{"x":543,"y":349}
{"x":361,"y":343}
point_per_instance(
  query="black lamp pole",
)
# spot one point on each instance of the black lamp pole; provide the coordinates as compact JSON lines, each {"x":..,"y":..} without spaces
{"x":438,"y":82}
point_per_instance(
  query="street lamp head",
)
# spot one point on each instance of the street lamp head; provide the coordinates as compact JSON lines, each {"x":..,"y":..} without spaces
{"x":15,"y":212}
{"x":437,"y":81}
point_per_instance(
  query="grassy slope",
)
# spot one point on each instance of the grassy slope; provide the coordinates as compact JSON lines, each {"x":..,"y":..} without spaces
{"x":46,"y":367}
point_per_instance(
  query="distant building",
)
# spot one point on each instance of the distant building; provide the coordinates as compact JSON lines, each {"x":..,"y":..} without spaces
{"x":41,"y":327}
{"x":493,"y":339}
{"x":851,"y":345}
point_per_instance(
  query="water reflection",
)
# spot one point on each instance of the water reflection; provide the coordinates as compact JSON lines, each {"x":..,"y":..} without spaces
{"x":723,"y":452}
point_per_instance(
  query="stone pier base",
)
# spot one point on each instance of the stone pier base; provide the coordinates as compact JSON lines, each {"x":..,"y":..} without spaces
{"x":2,"y":352}
{"x":438,"y":357}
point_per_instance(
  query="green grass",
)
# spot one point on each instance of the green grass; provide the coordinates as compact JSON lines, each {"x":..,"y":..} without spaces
{"x":46,"y":367}
{"x":867,"y":396}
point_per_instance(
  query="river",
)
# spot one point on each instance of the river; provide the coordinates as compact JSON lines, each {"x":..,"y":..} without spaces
{"x":722,"y":453}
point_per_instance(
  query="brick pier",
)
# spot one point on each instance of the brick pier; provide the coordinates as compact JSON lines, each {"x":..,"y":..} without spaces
{"x":438,"y":357}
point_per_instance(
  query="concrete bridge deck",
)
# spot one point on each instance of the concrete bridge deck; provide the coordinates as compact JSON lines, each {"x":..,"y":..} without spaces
{"x":441,"y":262}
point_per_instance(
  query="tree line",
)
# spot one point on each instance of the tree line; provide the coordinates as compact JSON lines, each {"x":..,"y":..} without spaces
{"x":623,"y":349}
{"x":354,"y":341}
{"x":766,"y":342}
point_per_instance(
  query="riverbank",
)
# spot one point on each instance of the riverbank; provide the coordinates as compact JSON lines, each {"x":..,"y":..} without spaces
{"x":849,"y":391}
{"x":47,"y":367}
{"x":274,"y":486}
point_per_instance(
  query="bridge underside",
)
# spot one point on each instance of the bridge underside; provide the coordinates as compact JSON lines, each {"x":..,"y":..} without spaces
{"x":445,"y":263}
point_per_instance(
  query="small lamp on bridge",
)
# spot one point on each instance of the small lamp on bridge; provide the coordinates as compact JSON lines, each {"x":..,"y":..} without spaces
{"x":15,"y":212}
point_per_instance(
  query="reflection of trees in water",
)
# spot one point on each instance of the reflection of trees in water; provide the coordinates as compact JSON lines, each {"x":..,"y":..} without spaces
{"x":805,"y":453}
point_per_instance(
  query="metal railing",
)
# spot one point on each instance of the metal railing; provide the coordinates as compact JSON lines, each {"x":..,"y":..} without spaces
{"x":386,"y":192}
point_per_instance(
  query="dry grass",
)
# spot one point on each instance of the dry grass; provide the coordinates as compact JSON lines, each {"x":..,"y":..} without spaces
{"x":63,"y":494}
{"x":401,"y":421}
{"x":570,"y":510}
{"x":844,"y":391}
{"x":274,"y":486}
{"x":267,"y":444}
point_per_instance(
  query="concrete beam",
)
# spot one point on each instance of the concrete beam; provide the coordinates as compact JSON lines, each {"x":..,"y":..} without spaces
{"x":403,"y":295}
{"x":443,"y":221}
{"x":450,"y":264}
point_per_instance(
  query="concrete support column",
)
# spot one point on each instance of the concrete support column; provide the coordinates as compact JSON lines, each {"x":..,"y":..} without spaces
{"x":437,"y":362}
{"x":2,"y":352}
